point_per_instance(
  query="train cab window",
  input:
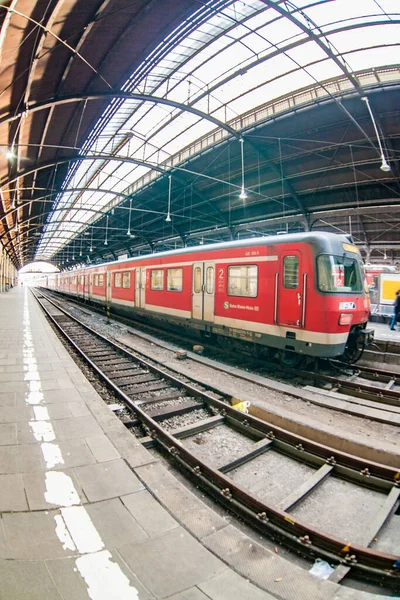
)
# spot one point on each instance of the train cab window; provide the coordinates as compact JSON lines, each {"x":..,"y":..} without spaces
{"x":174,"y":280}
{"x":339,"y":274}
{"x":197,"y":280}
{"x":101,"y":280}
{"x":117,"y":280}
{"x":210,"y":280}
{"x":243,"y":281}
{"x":290,"y":272}
{"x":126,"y":280}
{"x":157,"y":279}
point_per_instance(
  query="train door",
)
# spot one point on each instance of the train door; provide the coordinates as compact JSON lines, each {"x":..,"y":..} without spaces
{"x":290,"y":291}
{"x":108,"y":286}
{"x":140,"y":287}
{"x":203,"y":291}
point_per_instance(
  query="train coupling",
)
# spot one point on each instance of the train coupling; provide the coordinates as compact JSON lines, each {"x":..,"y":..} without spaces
{"x":368,"y":336}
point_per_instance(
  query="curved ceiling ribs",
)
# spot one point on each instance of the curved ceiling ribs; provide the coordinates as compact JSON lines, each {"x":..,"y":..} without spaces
{"x":309,"y":157}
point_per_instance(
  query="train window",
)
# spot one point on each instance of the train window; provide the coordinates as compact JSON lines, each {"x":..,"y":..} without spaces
{"x":210,"y":280}
{"x":82,"y":279}
{"x":174,"y":280}
{"x":197,"y":280}
{"x":96,"y":280}
{"x":157,"y":279}
{"x":101,"y":280}
{"x":243,"y":281}
{"x":339,"y":274}
{"x":126,"y":280}
{"x":117,"y":280}
{"x":290,"y":272}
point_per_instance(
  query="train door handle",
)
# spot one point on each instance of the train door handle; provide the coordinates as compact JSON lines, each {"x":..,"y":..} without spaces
{"x":298,"y":298}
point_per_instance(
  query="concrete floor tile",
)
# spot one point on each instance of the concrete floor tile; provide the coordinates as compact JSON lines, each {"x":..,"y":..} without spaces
{"x":7,"y":399}
{"x":75,"y":453}
{"x":33,"y":457}
{"x":130,"y":449}
{"x":9,"y":459}
{"x":55,"y":396}
{"x":149,"y":513}
{"x":59,"y":411}
{"x":69,"y":577}
{"x":171,"y":563}
{"x":34,"y":536}
{"x":8,"y":434}
{"x":78,"y":427}
{"x":266,"y":569}
{"x":65,"y":383}
{"x":52,"y":489}
{"x":107,"y":480}
{"x":114,"y":523}
{"x":12,"y":493}
{"x":193,"y":593}
{"x":16,"y":414}
{"x":101,"y":448}
{"x":78,"y":409}
{"x":230,"y":585}
{"x":20,"y":580}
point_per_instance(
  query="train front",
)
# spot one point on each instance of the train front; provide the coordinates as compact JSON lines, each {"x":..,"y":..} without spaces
{"x":341,"y":282}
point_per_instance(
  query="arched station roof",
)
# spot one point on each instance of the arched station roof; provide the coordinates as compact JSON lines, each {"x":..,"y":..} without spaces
{"x":135,"y":127}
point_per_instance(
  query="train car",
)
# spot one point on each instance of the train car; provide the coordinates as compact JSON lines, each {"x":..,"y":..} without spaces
{"x":383,"y":282}
{"x":299,"y":294}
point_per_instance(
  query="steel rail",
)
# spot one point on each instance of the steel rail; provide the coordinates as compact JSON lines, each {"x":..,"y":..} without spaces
{"x":376,"y":394}
{"x":372,"y":564}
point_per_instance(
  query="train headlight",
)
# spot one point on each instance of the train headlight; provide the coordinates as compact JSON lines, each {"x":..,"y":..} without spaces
{"x":345,"y":319}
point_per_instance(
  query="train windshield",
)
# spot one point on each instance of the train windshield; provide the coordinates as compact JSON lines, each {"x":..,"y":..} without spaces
{"x":339,"y":274}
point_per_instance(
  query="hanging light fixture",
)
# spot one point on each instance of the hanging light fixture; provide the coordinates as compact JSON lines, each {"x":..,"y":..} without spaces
{"x":168,"y":218}
{"x":242,"y":195}
{"x":129,"y":221}
{"x":91,"y":241}
{"x":106,"y":238}
{"x":384,"y":165}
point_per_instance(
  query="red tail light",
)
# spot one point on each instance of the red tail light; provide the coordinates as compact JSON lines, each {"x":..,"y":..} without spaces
{"x":345,"y":319}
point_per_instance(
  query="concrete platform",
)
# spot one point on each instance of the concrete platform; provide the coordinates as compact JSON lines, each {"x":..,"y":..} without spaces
{"x":86,"y":512}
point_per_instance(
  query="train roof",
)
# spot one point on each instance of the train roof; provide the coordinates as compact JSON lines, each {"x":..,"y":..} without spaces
{"x":324,"y":241}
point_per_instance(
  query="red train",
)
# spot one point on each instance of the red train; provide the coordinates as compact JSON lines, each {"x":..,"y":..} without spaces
{"x":298,"y":293}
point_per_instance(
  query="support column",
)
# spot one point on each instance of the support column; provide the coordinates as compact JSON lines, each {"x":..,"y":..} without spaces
{"x":1,"y":270}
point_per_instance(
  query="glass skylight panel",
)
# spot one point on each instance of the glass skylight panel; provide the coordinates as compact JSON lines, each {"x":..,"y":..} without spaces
{"x":386,"y":55}
{"x":365,"y":37}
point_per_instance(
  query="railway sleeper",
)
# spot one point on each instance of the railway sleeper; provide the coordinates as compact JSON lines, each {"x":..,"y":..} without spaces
{"x":154,"y":387}
{"x":174,"y":410}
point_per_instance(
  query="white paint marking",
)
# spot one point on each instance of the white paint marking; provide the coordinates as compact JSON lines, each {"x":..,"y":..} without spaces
{"x":52,"y":455}
{"x":63,"y":535}
{"x":60,"y":489}
{"x":43,"y":431}
{"x":105,"y":578}
{"x":83,"y":532}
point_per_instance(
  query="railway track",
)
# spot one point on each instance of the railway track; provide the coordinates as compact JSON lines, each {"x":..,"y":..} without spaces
{"x":156,"y":398}
{"x":369,"y":387}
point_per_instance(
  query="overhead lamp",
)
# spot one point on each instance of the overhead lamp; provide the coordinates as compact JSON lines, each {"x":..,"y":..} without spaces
{"x":168,"y":217}
{"x":384,"y":165}
{"x":106,"y":238}
{"x":242,"y":195}
{"x":10,"y":154}
{"x":129,"y":220}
